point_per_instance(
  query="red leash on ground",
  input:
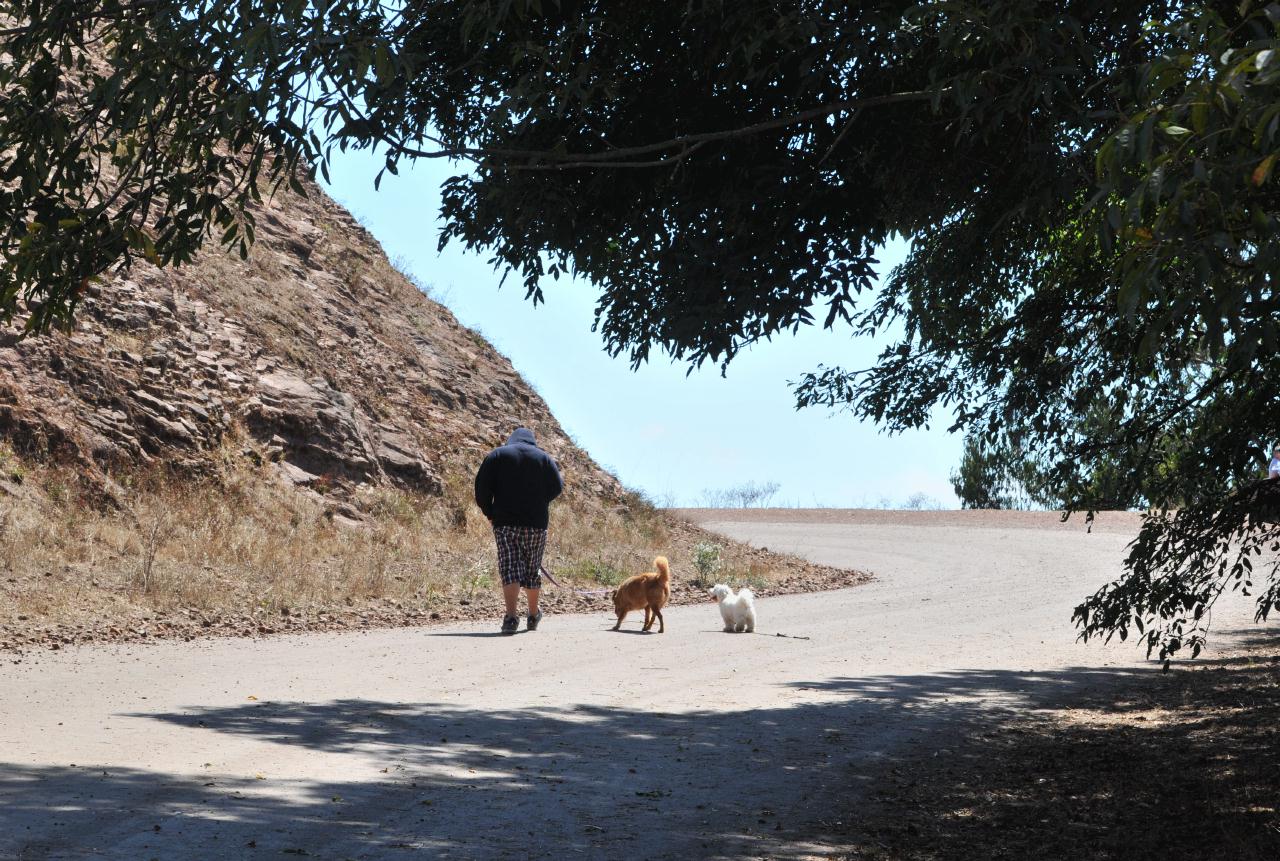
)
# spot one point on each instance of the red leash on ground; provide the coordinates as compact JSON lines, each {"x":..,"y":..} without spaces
{"x":558,"y":585}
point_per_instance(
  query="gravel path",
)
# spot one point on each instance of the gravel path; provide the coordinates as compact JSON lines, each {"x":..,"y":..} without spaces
{"x":573,"y":742}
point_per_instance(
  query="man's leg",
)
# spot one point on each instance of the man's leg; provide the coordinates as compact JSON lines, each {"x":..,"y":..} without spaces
{"x":511,"y":595}
{"x":509,"y":574}
{"x":537,"y":543}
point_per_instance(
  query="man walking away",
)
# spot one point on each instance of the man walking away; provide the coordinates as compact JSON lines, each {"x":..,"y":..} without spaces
{"x":514,"y":486}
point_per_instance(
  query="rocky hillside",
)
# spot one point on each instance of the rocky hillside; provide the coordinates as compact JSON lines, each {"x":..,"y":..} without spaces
{"x":286,"y":443}
{"x":314,"y":355}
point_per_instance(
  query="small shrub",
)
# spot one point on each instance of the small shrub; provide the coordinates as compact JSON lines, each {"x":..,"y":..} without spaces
{"x":707,"y":562}
{"x":155,"y":529}
{"x":478,"y":580}
{"x":10,"y":467}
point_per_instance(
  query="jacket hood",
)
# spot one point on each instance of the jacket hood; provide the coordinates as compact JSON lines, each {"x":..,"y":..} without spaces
{"x":521,"y":436}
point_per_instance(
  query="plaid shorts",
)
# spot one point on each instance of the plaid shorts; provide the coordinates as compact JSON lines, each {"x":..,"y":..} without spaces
{"x":520,"y":554}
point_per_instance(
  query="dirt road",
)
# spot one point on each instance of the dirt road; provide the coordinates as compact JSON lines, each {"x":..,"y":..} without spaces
{"x":451,"y":742}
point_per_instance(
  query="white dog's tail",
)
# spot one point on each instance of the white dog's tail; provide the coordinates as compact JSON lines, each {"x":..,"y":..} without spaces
{"x":746,"y":596}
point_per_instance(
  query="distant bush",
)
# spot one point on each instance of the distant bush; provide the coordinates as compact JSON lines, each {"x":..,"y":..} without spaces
{"x":666,"y":499}
{"x":748,"y":495}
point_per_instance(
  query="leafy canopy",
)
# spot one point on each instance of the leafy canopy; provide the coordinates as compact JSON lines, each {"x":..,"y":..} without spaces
{"x":1089,"y":187}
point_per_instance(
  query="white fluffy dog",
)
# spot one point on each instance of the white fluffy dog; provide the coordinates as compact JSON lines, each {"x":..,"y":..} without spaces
{"x":739,"y":611}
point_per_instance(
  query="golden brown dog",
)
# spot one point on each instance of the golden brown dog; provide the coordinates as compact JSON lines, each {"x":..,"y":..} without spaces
{"x":649,"y":591}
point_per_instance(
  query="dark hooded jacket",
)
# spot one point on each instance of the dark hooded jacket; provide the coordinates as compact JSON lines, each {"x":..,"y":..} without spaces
{"x":517,"y":482}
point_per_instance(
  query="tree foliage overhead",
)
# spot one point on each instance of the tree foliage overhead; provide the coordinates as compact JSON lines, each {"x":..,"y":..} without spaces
{"x":1089,"y":188}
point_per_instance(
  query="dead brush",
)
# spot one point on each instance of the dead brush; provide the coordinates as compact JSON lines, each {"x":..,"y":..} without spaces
{"x":154,"y":531}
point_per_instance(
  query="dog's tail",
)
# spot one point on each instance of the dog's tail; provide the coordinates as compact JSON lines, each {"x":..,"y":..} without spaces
{"x":664,"y":569}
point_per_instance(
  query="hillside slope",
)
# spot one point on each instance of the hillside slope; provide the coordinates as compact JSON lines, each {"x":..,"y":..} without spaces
{"x":282,"y":443}
{"x":314,"y":354}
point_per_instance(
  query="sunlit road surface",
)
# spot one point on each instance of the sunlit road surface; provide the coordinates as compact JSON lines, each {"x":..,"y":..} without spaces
{"x":574,"y":741}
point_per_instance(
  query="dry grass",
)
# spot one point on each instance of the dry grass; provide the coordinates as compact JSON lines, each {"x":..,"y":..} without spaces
{"x":238,"y":552}
{"x":213,"y":545}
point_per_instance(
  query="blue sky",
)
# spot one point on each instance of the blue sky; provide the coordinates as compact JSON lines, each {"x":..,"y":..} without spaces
{"x":670,"y":435}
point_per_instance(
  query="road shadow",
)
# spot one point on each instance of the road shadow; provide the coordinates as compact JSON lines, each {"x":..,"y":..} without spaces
{"x":1264,"y":636}
{"x":783,"y":782}
{"x":1184,"y":764}
{"x":474,"y":633}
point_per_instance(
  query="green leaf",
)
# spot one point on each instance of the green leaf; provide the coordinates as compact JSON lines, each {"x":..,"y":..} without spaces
{"x":1200,"y":116}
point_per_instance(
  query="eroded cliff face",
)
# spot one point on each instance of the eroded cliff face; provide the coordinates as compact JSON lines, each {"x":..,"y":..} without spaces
{"x":314,"y":355}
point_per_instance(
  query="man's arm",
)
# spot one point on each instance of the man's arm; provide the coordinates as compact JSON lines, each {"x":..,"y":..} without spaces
{"x":555,"y":483}
{"x":484,"y":487}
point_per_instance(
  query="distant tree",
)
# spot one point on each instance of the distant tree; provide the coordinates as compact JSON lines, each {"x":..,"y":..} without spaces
{"x":999,"y":475}
{"x":1002,"y":473}
{"x":1089,"y":187}
{"x":980,"y":480}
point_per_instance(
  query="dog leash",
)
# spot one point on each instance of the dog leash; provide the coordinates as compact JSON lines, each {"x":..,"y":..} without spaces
{"x":559,"y":585}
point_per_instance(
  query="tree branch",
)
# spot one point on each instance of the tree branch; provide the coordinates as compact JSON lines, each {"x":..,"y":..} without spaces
{"x":617,"y":156}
